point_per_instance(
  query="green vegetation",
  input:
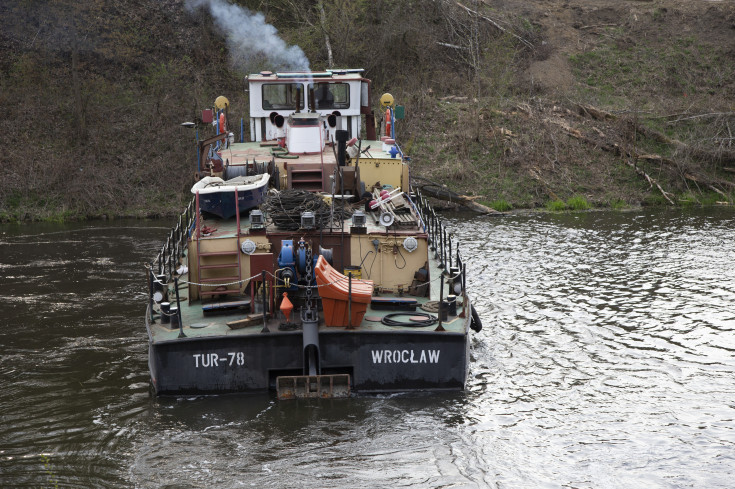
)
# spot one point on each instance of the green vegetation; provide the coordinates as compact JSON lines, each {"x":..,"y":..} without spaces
{"x":556,"y":205}
{"x":622,"y":70}
{"x":501,"y":205}
{"x":618,"y":204}
{"x":654,"y":200}
{"x":710,"y":198}
{"x":578,"y":203}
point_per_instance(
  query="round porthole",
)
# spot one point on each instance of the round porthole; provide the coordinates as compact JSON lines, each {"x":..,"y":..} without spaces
{"x":410,"y":244}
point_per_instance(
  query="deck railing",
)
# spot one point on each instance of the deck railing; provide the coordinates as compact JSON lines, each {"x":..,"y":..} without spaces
{"x":439,"y":239}
{"x":163,"y":267}
{"x":167,"y":261}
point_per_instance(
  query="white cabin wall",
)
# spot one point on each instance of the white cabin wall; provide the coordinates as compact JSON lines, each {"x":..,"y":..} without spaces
{"x":350,"y":119}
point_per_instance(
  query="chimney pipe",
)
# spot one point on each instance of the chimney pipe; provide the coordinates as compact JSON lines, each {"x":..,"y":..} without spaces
{"x":312,"y":102}
{"x":298,"y":99}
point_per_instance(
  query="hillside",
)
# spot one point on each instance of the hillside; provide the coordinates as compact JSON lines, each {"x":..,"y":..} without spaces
{"x":522,"y":104}
{"x":621,"y":103}
{"x":92,"y":95}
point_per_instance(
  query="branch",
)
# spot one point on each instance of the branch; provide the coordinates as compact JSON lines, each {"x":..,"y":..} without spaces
{"x":618,"y":151}
{"x":698,"y":116}
{"x":453,"y":46}
{"x":721,"y":157}
{"x":496,"y":25}
{"x":632,"y":155}
{"x":708,"y":184}
{"x":650,"y":180}
{"x":598,"y":25}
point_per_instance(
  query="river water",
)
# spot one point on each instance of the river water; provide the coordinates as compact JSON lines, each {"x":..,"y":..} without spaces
{"x":607,"y":360}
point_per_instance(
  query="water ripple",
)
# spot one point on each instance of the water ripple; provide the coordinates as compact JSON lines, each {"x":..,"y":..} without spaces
{"x":606,"y":361}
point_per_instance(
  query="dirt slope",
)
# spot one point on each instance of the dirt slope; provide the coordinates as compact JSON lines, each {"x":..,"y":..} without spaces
{"x":622,"y":103}
{"x":574,"y":26}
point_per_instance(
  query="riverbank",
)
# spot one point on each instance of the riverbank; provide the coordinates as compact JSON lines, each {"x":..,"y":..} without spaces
{"x":518,"y":105}
{"x":164,"y":206}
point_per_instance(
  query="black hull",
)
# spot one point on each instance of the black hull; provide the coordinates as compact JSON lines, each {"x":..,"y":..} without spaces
{"x":222,"y":204}
{"x":376,"y":361}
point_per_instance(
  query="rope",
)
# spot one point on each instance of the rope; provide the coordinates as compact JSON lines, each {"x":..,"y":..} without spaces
{"x":285,"y":208}
{"x":339,"y":280}
{"x":427,"y":321}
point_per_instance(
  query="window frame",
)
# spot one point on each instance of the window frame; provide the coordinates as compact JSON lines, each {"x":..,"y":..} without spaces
{"x":335,"y":104}
{"x":286,"y":106}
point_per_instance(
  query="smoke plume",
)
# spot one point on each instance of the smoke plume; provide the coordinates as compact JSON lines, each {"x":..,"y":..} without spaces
{"x":250,"y":39}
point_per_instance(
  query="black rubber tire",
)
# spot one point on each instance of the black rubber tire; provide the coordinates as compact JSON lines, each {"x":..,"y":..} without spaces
{"x":475,"y":323}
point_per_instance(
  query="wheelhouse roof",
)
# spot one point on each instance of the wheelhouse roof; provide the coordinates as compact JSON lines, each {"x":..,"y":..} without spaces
{"x":347,"y":74}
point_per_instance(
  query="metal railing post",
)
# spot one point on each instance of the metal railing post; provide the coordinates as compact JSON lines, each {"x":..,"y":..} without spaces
{"x":178,"y":308}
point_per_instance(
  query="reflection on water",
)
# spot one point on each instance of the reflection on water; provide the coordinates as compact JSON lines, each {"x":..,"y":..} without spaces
{"x":607,"y":360}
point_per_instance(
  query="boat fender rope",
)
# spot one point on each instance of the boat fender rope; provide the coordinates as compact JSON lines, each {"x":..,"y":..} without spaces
{"x":475,"y":323}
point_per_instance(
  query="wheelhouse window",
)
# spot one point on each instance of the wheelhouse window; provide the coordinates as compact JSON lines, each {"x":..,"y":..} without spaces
{"x":331,"y":95}
{"x":280,"y":96}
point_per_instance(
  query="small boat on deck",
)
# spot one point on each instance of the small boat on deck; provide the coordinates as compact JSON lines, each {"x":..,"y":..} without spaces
{"x":339,"y":279}
{"x":224,"y":198}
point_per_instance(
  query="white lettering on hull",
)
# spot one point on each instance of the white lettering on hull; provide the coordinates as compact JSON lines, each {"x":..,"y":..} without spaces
{"x":207,"y":360}
{"x":405,"y":356}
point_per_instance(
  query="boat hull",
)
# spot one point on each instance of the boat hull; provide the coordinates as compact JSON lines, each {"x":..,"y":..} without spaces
{"x":376,"y":361}
{"x":222,"y":204}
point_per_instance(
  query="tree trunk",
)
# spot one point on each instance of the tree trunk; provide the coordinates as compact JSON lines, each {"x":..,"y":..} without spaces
{"x":441,"y":192}
{"x":323,"y":21}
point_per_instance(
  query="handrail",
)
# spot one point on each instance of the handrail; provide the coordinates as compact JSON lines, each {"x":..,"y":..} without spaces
{"x":167,"y":259}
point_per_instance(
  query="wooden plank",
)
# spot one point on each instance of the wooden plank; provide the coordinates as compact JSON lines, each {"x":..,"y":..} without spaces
{"x":214,"y":306}
{"x":251,"y":320}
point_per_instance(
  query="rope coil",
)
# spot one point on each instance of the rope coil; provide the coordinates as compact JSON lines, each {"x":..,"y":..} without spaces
{"x":285,"y":208}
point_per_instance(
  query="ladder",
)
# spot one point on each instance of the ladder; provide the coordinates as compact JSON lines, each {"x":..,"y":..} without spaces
{"x":213,"y":260}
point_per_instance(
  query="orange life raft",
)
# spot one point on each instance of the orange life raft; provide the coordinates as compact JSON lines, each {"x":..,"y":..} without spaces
{"x":335,"y":294}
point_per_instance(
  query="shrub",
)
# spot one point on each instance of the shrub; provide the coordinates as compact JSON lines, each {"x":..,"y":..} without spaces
{"x":618,"y":204}
{"x":578,"y":203}
{"x":556,"y":205}
{"x":501,"y":205}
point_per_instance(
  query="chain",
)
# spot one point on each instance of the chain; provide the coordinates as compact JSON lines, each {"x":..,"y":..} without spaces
{"x":309,"y":276}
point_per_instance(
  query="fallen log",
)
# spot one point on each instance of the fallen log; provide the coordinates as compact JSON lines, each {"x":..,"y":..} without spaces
{"x":441,"y":192}
{"x":722,"y":156}
{"x":535,"y":173}
{"x":650,"y":180}
{"x":618,"y":151}
{"x":707,"y":184}
{"x":594,"y":112}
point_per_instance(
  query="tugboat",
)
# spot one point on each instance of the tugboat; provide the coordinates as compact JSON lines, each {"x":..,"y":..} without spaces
{"x":305,"y":264}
